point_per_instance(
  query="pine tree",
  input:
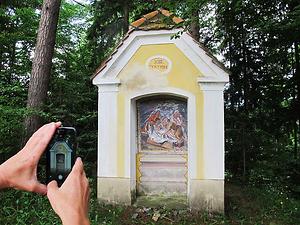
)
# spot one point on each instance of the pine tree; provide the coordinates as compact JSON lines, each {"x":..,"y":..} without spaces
{"x":41,"y":68}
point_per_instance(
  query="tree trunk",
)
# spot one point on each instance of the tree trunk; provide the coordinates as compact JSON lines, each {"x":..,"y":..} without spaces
{"x":246,"y":83}
{"x":244,"y":146}
{"x":41,"y":68}
{"x":126,"y":16}
{"x":194,"y":28}
{"x":12,"y":62}
{"x":297,"y":78}
{"x":295,"y":140}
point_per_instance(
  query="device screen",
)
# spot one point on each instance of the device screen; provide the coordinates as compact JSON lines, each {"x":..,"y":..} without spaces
{"x":61,"y":154}
{"x":60,"y":162}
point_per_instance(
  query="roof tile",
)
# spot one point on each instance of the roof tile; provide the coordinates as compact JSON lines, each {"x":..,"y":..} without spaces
{"x":166,"y":12}
{"x":177,"y":20}
{"x":138,"y":22}
{"x":154,"y":20}
{"x":150,"y":15}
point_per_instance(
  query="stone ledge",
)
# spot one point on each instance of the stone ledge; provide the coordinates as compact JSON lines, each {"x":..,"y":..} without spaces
{"x":114,"y":190}
{"x":206,"y":195}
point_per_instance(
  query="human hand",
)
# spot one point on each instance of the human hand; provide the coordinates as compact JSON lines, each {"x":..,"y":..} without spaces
{"x":71,"y":200}
{"x":20,"y":171}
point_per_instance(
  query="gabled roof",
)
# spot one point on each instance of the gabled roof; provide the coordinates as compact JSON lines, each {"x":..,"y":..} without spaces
{"x":160,"y":19}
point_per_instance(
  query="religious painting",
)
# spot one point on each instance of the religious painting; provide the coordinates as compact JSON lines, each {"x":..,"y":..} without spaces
{"x":162,"y":124}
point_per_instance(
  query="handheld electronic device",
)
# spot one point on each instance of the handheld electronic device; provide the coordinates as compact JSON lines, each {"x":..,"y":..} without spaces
{"x":60,"y":154}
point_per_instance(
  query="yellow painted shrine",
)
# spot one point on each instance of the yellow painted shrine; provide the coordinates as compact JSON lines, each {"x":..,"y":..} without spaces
{"x":161,"y":126}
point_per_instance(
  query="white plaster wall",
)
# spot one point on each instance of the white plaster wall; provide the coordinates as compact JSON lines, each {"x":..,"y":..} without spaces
{"x":107,"y":130}
{"x":213,"y":130}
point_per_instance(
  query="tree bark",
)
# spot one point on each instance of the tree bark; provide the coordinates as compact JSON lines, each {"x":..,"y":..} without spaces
{"x":126,"y":16}
{"x":41,"y":68}
{"x":295,"y":140}
{"x":12,"y":61}
{"x":297,"y":78}
{"x":194,"y":28}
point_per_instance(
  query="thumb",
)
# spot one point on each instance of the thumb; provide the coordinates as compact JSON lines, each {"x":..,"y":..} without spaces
{"x":40,"y":188}
{"x":78,"y":166}
{"x":52,"y":187}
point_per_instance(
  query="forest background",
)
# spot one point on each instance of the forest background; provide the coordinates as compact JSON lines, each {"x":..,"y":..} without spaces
{"x":257,"y":40}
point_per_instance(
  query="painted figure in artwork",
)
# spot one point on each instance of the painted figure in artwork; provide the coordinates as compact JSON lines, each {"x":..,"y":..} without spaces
{"x":163,"y":125}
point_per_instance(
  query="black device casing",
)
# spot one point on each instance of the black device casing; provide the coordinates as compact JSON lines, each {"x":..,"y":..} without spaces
{"x":60,"y":154}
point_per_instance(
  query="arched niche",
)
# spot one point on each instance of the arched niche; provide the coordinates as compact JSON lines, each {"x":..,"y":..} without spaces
{"x":162,"y":145}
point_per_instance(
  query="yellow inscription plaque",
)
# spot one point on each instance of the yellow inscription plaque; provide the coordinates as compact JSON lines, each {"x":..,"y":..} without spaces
{"x":159,"y":63}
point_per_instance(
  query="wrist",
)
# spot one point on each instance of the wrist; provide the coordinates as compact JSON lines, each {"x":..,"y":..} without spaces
{"x":3,"y":180}
{"x":76,"y":220}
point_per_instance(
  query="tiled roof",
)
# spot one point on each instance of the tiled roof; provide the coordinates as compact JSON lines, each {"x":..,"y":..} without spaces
{"x":158,"y":19}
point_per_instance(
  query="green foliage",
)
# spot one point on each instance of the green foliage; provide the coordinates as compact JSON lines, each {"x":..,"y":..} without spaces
{"x":258,"y":40}
{"x":244,"y":205}
{"x":72,"y":98}
{"x":25,"y":208}
{"x":267,"y":205}
{"x":18,"y":23}
{"x":10,"y":130}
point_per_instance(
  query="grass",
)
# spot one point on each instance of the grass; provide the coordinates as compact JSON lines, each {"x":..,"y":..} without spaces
{"x":244,"y":205}
{"x":171,"y":202}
